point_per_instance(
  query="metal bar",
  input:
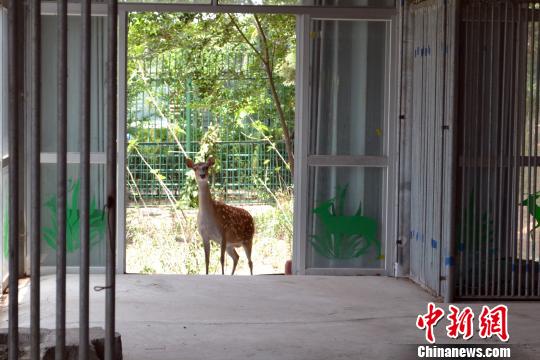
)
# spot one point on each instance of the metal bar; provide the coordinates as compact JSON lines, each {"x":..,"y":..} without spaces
{"x":330,"y":160}
{"x":453,"y":74}
{"x":35,"y":180}
{"x":502,"y":147}
{"x":529,"y":152}
{"x":474,"y":147}
{"x":483,"y":121}
{"x":535,"y":176}
{"x":14,"y":119}
{"x":86,"y":48}
{"x":121,"y":143}
{"x":509,"y":150}
{"x":516,"y":149}
{"x":522,"y":123}
{"x":49,"y":8}
{"x":61,"y":181}
{"x":464,"y":241}
{"x":489,"y":150}
{"x":112,"y":86}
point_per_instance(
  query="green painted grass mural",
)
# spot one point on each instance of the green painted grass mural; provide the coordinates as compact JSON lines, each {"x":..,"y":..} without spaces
{"x":532,"y":207}
{"x":73,"y":241}
{"x":475,"y":231}
{"x":344,"y":236}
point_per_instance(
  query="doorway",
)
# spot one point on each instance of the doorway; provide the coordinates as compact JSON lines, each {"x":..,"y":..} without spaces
{"x":344,"y":145}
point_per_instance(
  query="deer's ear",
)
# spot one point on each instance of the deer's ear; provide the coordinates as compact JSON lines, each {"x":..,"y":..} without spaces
{"x":210,"y":161}
{"x":189,"y":163}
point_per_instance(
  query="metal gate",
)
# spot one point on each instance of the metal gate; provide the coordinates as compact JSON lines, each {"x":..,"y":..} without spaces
{"x":497,"y":230}
{"x":24,"y":140}
{"x":431,"y":26}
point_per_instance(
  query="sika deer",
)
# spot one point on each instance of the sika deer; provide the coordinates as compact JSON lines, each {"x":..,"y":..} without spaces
{"x":227,"y":225}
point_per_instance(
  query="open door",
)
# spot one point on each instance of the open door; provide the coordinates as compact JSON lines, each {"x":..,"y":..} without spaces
{"x":345,"y":184}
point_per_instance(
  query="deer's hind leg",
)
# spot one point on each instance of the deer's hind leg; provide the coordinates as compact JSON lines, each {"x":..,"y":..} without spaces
{"x":232,"y":253}
{"x":222,"y":257}
{"x":247,"y":249}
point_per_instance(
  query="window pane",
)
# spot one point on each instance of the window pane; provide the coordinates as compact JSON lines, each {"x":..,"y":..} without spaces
{"x":3,"y":82}
{"x":349,"y":71}
{"x":169,"y":1}
{"x":4,"y":181}
{"x":345,"y":218}
{"x":49,"y":215}
{"x":342,"y":3}
{"x":49,"y":84}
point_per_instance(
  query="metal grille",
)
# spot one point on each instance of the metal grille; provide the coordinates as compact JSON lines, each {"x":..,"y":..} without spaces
{"x":25,"y":64}
{"x":431,"y":55}
{"x":498,"y":180}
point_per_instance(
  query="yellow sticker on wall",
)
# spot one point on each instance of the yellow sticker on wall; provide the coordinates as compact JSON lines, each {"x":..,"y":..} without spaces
{"x":378,"y":132}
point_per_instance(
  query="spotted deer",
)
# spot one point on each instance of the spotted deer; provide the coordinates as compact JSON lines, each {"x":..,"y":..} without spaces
{"x":229,"y":226}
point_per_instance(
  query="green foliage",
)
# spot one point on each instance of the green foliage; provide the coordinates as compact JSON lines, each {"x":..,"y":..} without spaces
{"x":197,"y":66}
{"x":208,"y":148}
{"x":73,"y":242}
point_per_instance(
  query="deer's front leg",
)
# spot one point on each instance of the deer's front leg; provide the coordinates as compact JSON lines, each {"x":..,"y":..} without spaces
{"x":222,"y":258}
{"x":206,"y":243}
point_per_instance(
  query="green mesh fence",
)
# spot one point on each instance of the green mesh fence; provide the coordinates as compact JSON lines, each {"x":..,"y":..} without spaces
{"x":248,"y":171}
{"x":164,"y":108}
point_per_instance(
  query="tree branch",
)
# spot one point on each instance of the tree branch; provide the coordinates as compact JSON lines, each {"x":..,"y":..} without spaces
{"x":235,"y":24}
{"x":277,"y":102}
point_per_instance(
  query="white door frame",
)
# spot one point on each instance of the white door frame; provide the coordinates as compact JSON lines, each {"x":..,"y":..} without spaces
{"x":303,"y":159}
{"x":303,"y":13}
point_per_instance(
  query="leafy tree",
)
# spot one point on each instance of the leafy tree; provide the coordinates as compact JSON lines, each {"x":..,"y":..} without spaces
{"x":252,"y":93}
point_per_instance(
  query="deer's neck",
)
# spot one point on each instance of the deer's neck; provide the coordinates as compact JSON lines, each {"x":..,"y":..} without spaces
{"x":206,"y":204}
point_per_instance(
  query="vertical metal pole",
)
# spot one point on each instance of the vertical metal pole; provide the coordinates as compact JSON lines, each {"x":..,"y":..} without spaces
{"x":502,"y":149}
{"x":530,"y":119}
{"x":535,"y":176}
{"x":86,"y":46}
{"x":35,"y":179}
{"x":480,"y":138}
{"x":512,"y":36}
{"x":521,"y":137}
{"x":462,"y":161}
{"x":14,"y":119}
{"x":112,"y":84}
{"x":61,"y":128}
{"x":490,"y":125}
{"x":475,"y":142}
{"x":516,"y":150}
{"x":188,"y":116}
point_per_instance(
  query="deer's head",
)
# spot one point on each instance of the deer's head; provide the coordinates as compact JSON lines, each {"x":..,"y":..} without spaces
{"x":530,"y":200}
{"x":324,"y":208}
{"x":201,"y":169}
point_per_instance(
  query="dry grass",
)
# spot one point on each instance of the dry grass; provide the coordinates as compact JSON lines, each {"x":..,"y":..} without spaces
{"x":162,"y":240}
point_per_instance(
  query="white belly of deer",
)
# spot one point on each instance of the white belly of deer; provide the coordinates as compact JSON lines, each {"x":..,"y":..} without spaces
{"x":209,"y":229}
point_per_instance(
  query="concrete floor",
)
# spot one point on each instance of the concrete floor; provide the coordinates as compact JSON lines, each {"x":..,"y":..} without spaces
{"x":269,"y":317}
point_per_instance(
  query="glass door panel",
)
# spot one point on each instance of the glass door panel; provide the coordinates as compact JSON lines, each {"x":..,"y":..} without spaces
{"x":347,"y":214}
{"x":348,"y":154}
{"x":348,"y":113}
{"x":97,"y":143}
{"x":4,"y":155}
